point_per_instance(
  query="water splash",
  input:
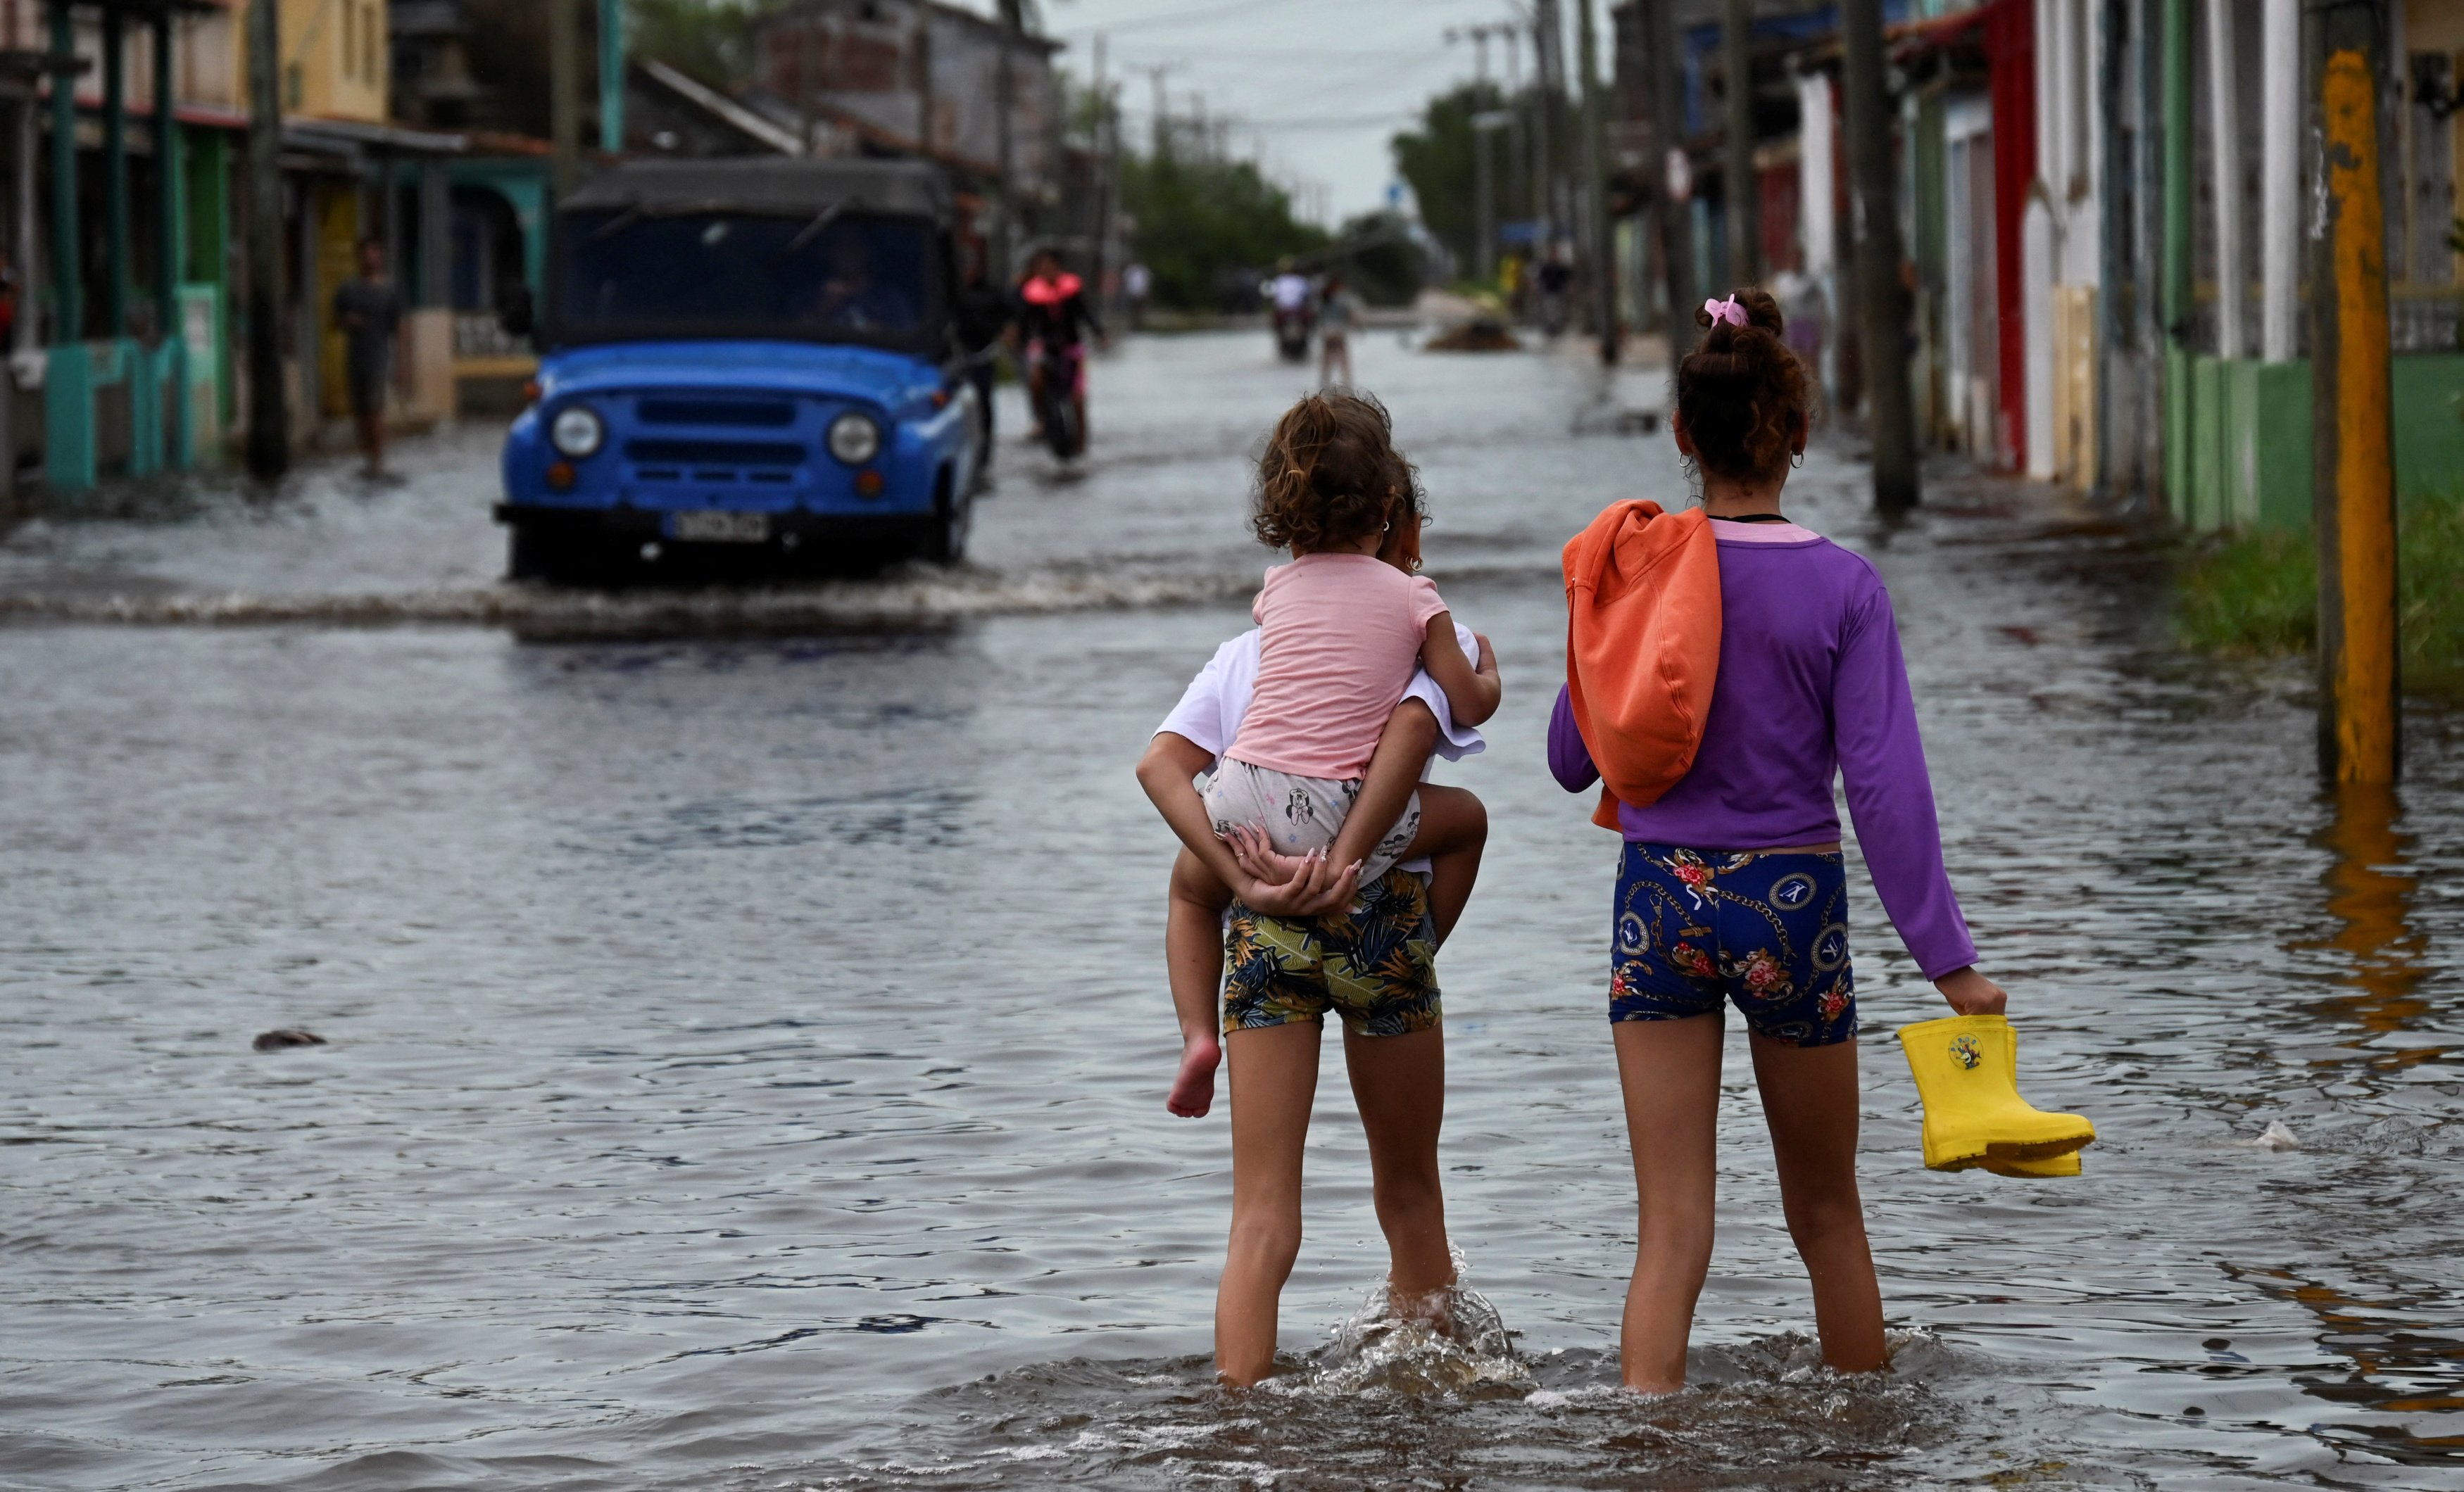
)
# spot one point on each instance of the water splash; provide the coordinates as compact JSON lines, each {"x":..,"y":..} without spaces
{"x":1450,"y":1341}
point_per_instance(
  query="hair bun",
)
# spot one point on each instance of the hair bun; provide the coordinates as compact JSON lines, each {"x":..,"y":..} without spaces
{"x":1761,"y":312}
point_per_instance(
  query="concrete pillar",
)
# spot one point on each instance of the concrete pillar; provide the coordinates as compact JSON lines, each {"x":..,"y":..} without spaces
{"x":435,"y":235}
{"x":114,"y":173}
{"x":612,"y":76}
{"x":2280,"y":238}
{"x":24,"y":335}
{"x":68,"y":289}
{"x":2224,"y":156}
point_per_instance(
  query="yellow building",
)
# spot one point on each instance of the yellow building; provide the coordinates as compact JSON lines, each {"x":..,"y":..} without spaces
{"x":334,"y":59}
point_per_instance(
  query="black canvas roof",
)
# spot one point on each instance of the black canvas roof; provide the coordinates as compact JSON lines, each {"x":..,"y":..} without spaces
{"x":768,"y":184}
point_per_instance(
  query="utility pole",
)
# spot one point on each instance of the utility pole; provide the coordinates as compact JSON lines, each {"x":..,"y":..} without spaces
{"x":1675,"y":212}
{"x":1548,"y":60}
{"x":565,"y":94}
{"x":1004,"y":124}
{"x":1101,"y":228}
{"x":1485,"y":124}
{"x":1603,"y":245}
{"x":1745,"y":205}
{"x":269,"y":416}
{"x":2353,"y":483}
{"x":1882,"y":298}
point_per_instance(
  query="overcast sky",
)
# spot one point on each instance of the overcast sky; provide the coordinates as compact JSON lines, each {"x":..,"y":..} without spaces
{"x":1317,"y":87}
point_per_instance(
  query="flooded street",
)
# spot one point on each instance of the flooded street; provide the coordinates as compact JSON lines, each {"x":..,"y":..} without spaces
{"x":748,"y":1036}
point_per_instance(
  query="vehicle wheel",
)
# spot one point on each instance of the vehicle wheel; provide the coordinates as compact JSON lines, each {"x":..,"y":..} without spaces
{"x":945,"y":542}
{"x":529,"y":553}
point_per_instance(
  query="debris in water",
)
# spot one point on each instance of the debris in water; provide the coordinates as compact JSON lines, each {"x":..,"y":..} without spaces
{"x":276,"y":1040}
{"x":2277,"y":1137}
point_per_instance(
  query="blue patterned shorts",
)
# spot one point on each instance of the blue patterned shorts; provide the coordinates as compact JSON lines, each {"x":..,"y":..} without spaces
{"x":1769,"y":931}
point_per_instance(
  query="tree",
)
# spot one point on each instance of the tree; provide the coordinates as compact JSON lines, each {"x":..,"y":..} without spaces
{"x":707,"y":40}
{"x":1208,"y":226}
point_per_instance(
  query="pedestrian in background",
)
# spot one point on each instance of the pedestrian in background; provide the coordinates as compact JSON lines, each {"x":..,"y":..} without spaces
{"x":370,"y":312}
{"x":1338,"y":312}
{"x":984,"y":315}
{"x":1135,"y":281}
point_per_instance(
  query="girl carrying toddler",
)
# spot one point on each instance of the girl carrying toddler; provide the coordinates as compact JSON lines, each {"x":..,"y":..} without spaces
{"x":1300,"y":830}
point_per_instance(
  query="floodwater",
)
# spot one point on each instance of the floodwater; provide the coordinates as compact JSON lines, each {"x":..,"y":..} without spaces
{"x":747,"y":1037}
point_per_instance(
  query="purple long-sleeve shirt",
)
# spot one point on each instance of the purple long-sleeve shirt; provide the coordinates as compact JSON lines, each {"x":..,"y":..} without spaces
{"x":1811,"y":682}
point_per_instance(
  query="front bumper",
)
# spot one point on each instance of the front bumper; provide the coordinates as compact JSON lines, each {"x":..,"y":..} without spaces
{"x":786,"y":531}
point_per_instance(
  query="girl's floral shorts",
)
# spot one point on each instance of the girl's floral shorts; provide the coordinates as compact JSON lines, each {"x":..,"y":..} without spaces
{"x":1767,"y":931}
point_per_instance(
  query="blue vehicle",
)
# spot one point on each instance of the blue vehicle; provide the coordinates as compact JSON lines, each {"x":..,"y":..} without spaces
{"x":746,"y":358}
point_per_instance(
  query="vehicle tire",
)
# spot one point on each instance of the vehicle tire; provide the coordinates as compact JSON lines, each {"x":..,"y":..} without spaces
{"x":1059,"y":418}
{"x":530,"y":554}
{"x":945,"y":542}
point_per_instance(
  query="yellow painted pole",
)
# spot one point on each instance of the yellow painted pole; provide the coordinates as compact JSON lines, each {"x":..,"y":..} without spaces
{"x":2354,"y":489}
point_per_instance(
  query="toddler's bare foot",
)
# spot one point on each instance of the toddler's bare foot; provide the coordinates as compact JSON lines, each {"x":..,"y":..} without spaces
{"x":1193,"y":1090}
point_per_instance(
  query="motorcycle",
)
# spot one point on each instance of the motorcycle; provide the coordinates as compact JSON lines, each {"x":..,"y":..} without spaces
{"x":1056,"y":410}
{"x":1292,"y":333}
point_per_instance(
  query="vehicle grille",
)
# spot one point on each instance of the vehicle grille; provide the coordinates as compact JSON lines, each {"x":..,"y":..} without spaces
{"x":727,"y":413}
{"x":715,"y":453}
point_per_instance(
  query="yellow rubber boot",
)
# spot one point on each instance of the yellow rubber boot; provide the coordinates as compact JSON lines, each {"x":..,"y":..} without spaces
{"x":1966,"y":1070}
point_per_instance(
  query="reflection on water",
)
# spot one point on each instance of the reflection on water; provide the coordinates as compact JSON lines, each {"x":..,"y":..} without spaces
{"x":2369,"y":892}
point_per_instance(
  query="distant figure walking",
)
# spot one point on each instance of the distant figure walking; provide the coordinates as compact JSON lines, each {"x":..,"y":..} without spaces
{"x":370,"y":312}
{"x":1338,"y":312}
{"x":1136,"y":282}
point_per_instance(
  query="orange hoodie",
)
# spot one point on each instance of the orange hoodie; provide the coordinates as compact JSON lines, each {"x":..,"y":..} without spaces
{"x":1642,"y":645}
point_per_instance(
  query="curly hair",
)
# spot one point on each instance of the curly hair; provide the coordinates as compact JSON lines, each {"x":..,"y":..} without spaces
{"x":1742,"y":392}
{"x":1331,"y":475}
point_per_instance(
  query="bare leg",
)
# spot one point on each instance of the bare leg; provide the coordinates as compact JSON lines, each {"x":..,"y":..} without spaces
{"x":1670,"y":1070}
{"x":1454,"y":830}
{"x":1274,"y":1080}
{"x":1809,"y":1103}
{"x":1193,"y":956}
{"x":1399,"y":1082}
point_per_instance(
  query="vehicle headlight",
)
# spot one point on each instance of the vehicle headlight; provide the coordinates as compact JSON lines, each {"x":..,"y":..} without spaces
{"x":576,"y":432}
{"x":854,"y":439}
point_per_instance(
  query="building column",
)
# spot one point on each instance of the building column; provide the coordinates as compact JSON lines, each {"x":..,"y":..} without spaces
{"x":68,"y":289}
{"x":2224,"y":156}
{"x":611,"y":76}
{"x":435,"y":235}
{"x":115,"y":172}
{"x":2280,"y":240}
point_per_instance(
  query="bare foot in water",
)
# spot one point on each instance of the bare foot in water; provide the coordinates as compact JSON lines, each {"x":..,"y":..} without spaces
{"x":1193,"y":1090}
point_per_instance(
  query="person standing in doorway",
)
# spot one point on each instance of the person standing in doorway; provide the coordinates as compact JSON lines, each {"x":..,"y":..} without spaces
{"x":370,"y":312}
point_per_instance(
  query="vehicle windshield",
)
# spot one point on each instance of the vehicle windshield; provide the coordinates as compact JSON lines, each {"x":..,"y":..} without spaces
{"x":723,"y":275}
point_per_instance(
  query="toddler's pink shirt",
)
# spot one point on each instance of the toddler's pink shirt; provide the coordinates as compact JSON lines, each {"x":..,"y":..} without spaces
{"x":1339,"y":638}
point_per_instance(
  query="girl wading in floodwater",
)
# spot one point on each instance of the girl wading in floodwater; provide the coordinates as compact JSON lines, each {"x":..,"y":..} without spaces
{"x":1731,"y":889}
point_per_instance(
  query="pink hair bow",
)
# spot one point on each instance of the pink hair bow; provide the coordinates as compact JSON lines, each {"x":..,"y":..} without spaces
{"x":1728,"y":310}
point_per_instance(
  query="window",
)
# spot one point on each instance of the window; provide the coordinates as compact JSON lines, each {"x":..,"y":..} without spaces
{"x":351,"y":39}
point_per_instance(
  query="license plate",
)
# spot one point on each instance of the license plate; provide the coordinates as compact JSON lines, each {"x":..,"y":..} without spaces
{"x":720,"y":528}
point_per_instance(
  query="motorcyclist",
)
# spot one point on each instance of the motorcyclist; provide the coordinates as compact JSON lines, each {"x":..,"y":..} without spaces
{"x":1053,"y":314}
{"x":1290,"y":291}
